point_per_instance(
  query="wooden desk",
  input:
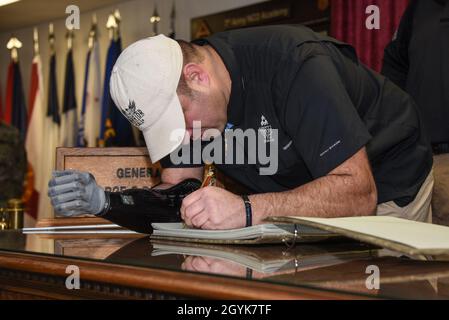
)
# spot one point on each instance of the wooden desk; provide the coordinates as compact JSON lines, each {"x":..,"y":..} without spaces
{"x":111,"y":267}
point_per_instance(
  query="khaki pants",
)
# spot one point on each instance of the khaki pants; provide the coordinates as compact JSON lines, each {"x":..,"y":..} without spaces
{"x":440,"y":197}
{"x":418,"y":210}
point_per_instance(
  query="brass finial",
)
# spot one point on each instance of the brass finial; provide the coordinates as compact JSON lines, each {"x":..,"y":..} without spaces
{"x":14,"y":44}
{"x":69,"y":36}
{"x":35,"y":42}
{"x":93,"y":32}
{"x":51,"y":38}
{"x":113,"y":25}
{"x":155,"y":19}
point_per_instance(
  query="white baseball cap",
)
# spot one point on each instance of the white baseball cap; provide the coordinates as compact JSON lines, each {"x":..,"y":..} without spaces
{"x":143,"y":86}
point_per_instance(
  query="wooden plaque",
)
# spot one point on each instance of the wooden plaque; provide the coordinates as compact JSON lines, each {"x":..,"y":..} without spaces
{"x":115,"y":169}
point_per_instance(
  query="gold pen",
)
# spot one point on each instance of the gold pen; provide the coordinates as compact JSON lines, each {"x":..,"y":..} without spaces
{"x":209,"y":178}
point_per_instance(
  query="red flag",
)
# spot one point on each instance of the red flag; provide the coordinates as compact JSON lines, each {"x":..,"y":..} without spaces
{"x":7,"y":117}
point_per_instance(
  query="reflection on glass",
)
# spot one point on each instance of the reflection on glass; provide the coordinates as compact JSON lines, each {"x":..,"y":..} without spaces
{"x":330,"y":266}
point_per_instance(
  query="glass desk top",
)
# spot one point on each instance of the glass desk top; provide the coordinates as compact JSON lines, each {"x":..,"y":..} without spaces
{"x":343,"y":267}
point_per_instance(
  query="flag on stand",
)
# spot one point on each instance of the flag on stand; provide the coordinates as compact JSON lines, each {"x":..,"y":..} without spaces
{"x":172,"y":33}
{"x":90,"y":118}
{"x":16,"y":112}
{"x":115,"y":128}
{"x":7,"y":116}
{"x":52,"y":122}
{"x":34,"y":145}
{"x":81,"y":140}
{"x":69,"y":122}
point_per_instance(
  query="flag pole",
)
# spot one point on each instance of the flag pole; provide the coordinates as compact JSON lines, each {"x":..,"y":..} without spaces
{"x":118,"y":19}
{"x":35,"y":42}
{"x":173,"y":21}
{"x":154,"y":20}
{"x":51,"y":38}
{"x":69,"y":36}
{"x":93,"y":32}
{"x":112,"y":25}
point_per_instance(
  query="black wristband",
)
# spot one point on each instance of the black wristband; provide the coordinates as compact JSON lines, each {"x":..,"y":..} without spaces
{"x":249,"y":213}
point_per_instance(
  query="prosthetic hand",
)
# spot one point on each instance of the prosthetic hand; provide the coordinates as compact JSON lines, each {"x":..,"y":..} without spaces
{"x":74,"y":193}
{"x":137,"y":209}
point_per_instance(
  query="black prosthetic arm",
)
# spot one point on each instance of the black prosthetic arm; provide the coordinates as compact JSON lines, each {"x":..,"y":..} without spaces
{"x":137,"y":209}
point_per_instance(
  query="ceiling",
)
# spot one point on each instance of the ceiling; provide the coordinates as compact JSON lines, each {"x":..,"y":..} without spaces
{"x":26,"y":13}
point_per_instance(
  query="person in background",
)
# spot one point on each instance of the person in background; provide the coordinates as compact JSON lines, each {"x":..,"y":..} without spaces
{"x":13,"y":164}
{"x":417,"y":60}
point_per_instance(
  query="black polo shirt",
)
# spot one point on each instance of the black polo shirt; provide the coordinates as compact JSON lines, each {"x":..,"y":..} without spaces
{"x":325,"y":105}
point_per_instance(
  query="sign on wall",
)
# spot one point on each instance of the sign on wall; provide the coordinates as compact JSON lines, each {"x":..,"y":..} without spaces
{"x":312,"y":13}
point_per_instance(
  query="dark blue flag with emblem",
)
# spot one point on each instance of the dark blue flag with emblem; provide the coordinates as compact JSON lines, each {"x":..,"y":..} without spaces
{"x":69,"y":122}
{"x":53,"y":104}
{"x":81,"y":141}
{"x":18,"y":108}
{"x":53,"y":119}
{"x":115,"y":130}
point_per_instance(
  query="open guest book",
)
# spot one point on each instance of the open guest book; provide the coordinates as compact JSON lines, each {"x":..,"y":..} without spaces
{"x":401,"y":235}
{"x":264,"y":233}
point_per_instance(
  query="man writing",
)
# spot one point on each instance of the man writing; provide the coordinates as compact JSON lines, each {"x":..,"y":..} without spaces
{"x":348,"y":141}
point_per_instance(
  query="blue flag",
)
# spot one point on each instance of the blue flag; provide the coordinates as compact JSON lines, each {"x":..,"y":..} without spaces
{"x":115,"y":128}
{"x":81,"y":141}
{"x":69,"y":122}
{"x":19,"y":111}
{"x":53,"y":105}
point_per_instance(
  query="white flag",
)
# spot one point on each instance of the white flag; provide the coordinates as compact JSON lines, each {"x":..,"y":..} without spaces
{"x":34,"y":142}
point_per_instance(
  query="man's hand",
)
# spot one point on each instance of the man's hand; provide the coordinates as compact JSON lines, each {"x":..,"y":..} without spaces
{"x":74,"y":193}
{"x":213,"y":265}
{"x":213,"y":208}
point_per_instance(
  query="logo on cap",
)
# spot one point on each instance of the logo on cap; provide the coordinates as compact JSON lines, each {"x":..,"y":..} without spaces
{"x":134,"y":115}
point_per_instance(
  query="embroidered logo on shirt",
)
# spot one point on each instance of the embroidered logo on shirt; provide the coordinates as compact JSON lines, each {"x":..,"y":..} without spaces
{"x":265,"y":130}
{"x":134,"y":115}
{"x":330,"y":148}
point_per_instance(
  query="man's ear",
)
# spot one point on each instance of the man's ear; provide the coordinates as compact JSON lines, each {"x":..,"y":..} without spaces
{"x":196,"y":77}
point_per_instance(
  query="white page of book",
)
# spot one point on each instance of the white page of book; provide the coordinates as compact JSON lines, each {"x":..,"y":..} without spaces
{"x":418,"y":235}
